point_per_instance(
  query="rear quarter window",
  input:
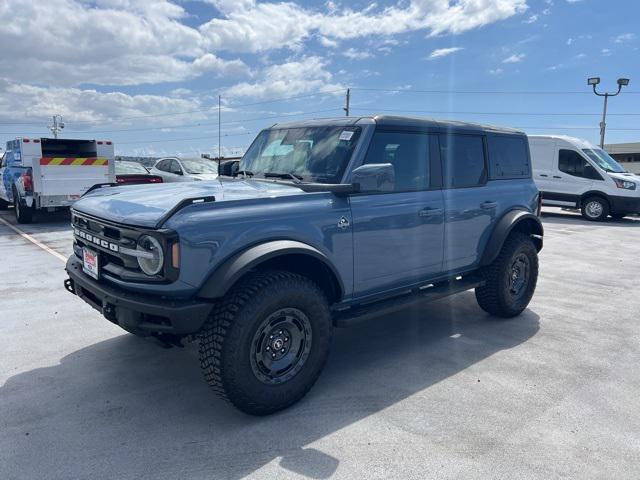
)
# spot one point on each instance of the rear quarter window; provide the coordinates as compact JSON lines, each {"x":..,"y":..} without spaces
{"x":508,"y":157}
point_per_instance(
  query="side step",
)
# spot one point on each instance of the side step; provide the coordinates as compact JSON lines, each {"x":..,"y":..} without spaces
{"x":359,"y":313}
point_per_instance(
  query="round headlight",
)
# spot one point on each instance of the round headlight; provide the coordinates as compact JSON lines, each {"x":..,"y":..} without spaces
{"x":152,"y":257}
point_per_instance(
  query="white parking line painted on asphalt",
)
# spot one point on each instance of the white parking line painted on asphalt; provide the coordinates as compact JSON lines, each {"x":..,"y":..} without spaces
{"x":28,"y":237}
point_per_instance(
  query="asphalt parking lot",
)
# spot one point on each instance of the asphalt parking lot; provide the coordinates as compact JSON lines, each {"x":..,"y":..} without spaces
{"x":444,"y":392}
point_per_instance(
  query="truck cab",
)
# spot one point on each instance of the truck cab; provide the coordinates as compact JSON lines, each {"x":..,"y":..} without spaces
{"x":320,"y":224}
{"x":49,"y":173}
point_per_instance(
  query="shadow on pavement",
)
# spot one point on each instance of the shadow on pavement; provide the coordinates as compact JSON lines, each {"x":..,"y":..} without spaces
{"x":560,"y":217}
{"x":123,"y":408}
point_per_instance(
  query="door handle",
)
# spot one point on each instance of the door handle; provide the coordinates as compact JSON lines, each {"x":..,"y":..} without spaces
{"x":557,"y":176}
{"x":544,"y":175}
{"x":488,"y":205}
{"x":430,"y":212}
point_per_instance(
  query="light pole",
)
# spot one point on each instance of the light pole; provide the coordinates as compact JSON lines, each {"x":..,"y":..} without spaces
{"x":594,"y":81}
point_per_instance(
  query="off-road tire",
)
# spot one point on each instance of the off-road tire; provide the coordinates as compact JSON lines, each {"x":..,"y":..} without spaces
{"x":227,"y":340}
{"x":595,"y":204}
{"x":495,"y":296}
{"x":24,"y":214}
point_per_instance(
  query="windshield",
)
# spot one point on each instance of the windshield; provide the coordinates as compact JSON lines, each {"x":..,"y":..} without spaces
{"x":197,"y":166}
{"x":130,"y":167}
{"x":318,"y":154}
{"x":604,"y":160}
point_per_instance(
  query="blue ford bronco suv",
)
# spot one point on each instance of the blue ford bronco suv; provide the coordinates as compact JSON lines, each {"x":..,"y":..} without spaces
{"x":320,"y":224}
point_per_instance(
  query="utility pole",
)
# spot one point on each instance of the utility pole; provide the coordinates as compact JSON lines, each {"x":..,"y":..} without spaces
{"x":219,"y":126}
{"x":347,"y":102}
{"x":594,"y":81}
{"x":56,"y":126}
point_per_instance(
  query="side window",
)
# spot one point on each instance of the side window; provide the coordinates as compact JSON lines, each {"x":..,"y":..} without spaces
{"x":2,"y":159}
{"x":409,"y":155}
{"x":508,"y":157}
{"x":163,"y":165}
{"x":572,"y":163}
{"x":174,"y":167}
{"x":463,"y":159}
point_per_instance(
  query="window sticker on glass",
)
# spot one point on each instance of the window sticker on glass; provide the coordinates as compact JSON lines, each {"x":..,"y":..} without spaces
{"x":346,"y":135}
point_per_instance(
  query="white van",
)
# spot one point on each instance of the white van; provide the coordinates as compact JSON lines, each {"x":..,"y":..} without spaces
{"x":570,"y":172}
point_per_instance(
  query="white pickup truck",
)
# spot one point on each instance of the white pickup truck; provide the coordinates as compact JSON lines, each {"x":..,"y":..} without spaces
{"x":47,"y":173}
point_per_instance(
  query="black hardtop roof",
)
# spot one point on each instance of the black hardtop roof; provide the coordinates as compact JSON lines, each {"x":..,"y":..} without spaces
{"x":399,"y":121}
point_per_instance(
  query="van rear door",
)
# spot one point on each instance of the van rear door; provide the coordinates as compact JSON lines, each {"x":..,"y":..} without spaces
{"x":68,"y":168}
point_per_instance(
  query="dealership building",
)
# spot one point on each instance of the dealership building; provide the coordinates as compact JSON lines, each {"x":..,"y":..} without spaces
{"x":627,"y":154}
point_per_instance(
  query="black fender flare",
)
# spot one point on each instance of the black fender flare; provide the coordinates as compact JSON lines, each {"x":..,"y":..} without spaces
{"x":593,"y":193}
{"x":232,"y":269}
{"x":511,"y":220}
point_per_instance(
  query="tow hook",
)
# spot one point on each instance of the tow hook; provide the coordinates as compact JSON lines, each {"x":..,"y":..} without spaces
{"x":68,"y":285}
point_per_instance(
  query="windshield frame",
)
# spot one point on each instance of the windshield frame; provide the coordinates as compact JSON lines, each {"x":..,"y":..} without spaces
{"x":602,"y":158}
{"x":265,"y":139}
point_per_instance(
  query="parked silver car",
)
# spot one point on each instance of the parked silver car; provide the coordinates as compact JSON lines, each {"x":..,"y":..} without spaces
{"x":175,"y":169}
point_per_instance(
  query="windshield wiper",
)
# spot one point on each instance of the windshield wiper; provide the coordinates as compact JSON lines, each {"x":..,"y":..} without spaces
{"x":292,"y":176}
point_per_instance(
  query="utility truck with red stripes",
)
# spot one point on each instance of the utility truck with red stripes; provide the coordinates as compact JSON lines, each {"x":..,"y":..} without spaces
{"x":50,"y":173}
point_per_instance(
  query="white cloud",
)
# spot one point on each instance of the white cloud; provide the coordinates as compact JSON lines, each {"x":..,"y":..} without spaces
{"x":87,"y":105}
{"x":114,"y":42}
{"x":605,"y":52}
{"x":515,"y":58}
{"x":443,"y":52}
{"x":496,"y":71}
{"x":264,"y":26}
{"x":625,"y":37}
{"x":354,"y":54}
{"x":532,"y":18}
{"x":308,"y":74}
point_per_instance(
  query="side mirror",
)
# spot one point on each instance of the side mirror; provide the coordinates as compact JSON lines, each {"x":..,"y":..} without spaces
{"x":374,"y":177}
{"x":228,"y":168}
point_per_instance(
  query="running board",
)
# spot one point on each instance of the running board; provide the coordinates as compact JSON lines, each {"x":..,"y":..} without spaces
{"x":429,"y":293}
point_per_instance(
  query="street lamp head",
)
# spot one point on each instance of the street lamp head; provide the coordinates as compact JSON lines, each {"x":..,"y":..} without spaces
{"x":623,"y":82}
{"x":593,"y":81}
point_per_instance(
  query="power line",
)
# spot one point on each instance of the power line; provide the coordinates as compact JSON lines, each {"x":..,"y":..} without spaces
{"x":187,"y":139}
{"x":534,"y":114}
{"x":201,"y":110}
{"x":199,"y":124}
{"x":478,"y":92}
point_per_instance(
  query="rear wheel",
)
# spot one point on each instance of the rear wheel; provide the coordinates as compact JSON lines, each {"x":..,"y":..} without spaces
{"x":266,"y":343}
{"x":511,"y":279}
{"x":24,"y":214}
{"x":595,"y":209}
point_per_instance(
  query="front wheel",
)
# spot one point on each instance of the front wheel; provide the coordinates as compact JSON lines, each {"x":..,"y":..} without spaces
{"x":511,"y":279}
{"x":266,"y":343}
{"x":595,"y":209}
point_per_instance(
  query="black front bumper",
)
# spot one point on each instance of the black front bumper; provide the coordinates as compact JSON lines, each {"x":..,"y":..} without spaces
{"x":140,"y":314}
{"x":624,"y":204}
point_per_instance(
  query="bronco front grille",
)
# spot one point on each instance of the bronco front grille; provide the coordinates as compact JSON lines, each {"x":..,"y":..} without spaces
{"x":112,"y":241}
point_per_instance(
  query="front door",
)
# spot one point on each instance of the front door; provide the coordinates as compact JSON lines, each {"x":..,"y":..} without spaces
{"x":569,"y":180}
{"x":398,"y":235}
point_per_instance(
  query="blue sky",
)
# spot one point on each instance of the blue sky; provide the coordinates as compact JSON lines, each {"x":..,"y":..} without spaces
{"x":146,"y":73}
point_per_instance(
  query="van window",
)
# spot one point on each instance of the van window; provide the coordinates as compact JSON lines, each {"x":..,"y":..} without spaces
{"x":572,"y":163}
{"x":508,"y":157}
{"x":463,"y":159}
{"x":52,"y":147}
{"x":409,"y":155}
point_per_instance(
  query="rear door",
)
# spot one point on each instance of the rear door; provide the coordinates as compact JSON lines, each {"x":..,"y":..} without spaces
{"x":398,"y":235}
{"x":470,"y":203}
